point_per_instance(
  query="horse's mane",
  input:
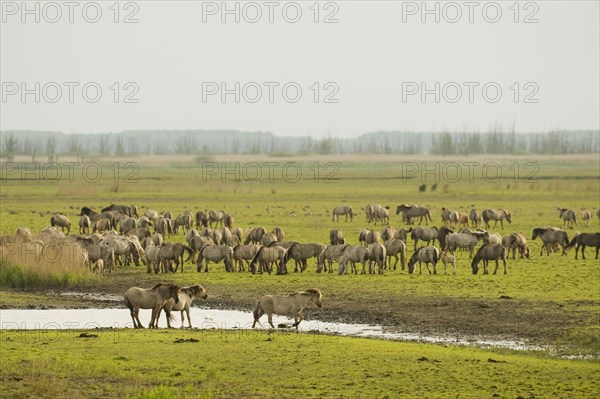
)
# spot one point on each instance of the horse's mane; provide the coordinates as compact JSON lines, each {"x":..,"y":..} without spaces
{"x":161,"y":284}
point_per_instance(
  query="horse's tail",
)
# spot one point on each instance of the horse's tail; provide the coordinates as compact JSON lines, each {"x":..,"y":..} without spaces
{"x":435,"y":256}
{"x":256,"y":310}
{"x":190,"y":252}
{"x":127,"y":302}
{"x":429,"y":216}
{"x":169,"y":314}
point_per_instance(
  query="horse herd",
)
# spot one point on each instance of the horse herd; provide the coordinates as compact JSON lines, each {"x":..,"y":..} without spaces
{"x":117,"y":235}
{"x":171,"y":297}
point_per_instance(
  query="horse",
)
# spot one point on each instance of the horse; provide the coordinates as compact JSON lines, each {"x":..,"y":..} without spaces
{"x":353,"y":254}
{"x":464,"y":240}
{"x":495,"y":215}
{"x":376,"y":254}
{"x":551,"y":236}
{"x":428,"y":234}
{"x":474,"y":217}
{"x":243,"y":253}
{"x":516,"y":241}
{"x":290,"y":305}
{"x":301,"y":252}
{"x":344,"y":210}
{"x":265,"y":256}
{"x":486,"y":253}
{"x":336,"y":237}
{"x":149,"y":298}
{"x":327,"y":256}
{"x":254,"y":235}
{"x":583,"y":239}
{"x":568,"y":216}
{"x":186,"y":297}
{"x":412,"y":211}
{"x":424,"y":254}
{"x":586,"y":216}
{"x":215,"y":253}
{"x":395,"y":247}
{"x":449,"y":259}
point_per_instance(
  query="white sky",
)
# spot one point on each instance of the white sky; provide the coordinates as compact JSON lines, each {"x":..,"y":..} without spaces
{"x":370,"y":55}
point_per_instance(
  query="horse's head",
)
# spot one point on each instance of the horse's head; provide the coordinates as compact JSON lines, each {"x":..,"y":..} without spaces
{"x":174,"y":292}
{"x":534,"y":234}
{"x":526,"y":251}
{"x":475,"y":266}
{"x":411,"y":264}
{"x":508,"y":216}
{"x":316,"y":296}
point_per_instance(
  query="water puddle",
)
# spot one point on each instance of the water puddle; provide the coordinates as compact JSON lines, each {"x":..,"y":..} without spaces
{"x":207,"y":318}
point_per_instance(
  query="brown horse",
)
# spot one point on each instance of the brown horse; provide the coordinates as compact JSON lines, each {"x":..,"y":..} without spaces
{"x":153,"y":298}
{"x":186,"y":297}
{"x":583,"y":239}
{"x":486,"y":253}
{"x":289,"y":305}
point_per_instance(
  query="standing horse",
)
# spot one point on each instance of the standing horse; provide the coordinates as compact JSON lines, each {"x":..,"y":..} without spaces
{"x":550,"y":236}
{"x":153,"y":298}
{"x":344,"y":210}
{"x":583,"y":239}
{"x":495,"y":215}
{"x":186,"y":297}
{"x":486,"y":253}
{"x":568,"y":216}
{"x":424,"y":254}
{"x":290,"y":305}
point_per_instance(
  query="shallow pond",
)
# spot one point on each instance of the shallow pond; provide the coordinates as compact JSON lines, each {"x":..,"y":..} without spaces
{"x":207,"y":318}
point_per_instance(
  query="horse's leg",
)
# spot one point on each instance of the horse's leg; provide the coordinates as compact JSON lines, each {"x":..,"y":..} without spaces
{"x":270,"y":317}
{"x":137,"y":317}
{"x":496,"y":269}
{"x":132,"y":314}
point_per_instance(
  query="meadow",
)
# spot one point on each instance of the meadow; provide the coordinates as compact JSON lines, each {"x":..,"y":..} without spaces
{"x":546,"y":300}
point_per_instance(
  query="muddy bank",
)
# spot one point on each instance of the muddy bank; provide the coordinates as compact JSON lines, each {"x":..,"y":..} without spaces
{"x":471,"y":319}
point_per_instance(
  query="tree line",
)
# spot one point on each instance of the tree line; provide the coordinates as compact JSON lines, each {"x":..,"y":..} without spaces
{"x":51,"y":145}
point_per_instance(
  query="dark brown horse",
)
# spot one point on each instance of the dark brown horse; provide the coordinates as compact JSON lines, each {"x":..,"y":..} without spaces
{"x":583,"y":239}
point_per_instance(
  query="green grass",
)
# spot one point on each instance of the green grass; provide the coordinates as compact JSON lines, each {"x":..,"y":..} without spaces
{"x":150,"y":364}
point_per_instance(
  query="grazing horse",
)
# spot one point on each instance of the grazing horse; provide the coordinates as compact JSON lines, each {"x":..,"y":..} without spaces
{"x":153,"y":298}
{"x":583,"y":239}
{"x":568,"y":216}
{"x":550,"y":236}
{"x":495,"y":215}
{"x":186,"y":297}
{"x":516,"y":241}
{"x":486,"y":253}
{"x":344,"y":210}
{"x":289,"y":305}
{"x":424,"y":254}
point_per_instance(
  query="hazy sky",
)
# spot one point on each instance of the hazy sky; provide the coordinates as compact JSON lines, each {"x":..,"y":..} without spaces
{"x":375,"y":61}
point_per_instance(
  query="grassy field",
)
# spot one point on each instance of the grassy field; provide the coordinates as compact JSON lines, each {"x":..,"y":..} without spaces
{"x":549,"y":300}
{"x":207,"y":364}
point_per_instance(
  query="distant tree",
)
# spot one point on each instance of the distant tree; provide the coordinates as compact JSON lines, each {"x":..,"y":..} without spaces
{"x":32,"y":148}
{"x":119,"y":147}
{"x":104,"y":146}
{"x":51,"y":149}
{"x":9,"y":145}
